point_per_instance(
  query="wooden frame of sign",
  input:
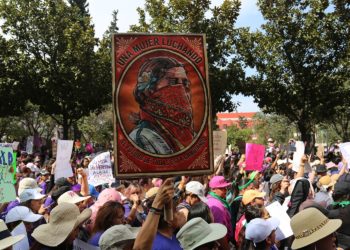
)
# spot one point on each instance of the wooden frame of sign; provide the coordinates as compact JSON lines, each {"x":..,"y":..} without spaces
{"x":161,"y":105}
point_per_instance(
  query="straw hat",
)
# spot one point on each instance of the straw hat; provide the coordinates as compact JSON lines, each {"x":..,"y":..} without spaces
{"x":71,"y":197}
{"x":117,"y":235}
{"x":6,"y":239}
{"x":197,"y":232}
{"x":64,"y":218}
{"x":326,"y":182}
{"x":317,"y":227}
{"x":28,"y":183}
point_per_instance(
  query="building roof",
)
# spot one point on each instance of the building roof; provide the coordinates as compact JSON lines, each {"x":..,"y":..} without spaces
{"x":235,"y":115}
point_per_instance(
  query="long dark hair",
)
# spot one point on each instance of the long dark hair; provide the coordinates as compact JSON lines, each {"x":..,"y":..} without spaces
{"x":200,"y":209}
{"x":106,"y":215}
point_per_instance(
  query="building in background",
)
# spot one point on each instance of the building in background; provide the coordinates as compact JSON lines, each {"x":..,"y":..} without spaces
{"x":241,"y":120}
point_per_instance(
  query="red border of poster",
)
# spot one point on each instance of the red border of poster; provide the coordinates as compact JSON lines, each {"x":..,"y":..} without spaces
{"x":176,"y":121}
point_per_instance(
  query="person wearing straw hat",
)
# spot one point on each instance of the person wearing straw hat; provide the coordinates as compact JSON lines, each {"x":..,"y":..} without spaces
{"x":198,"y":234}
{"x":119,"y":237}
{"x":6,"y":239}
{"x":313,"y":230}
{"x":72,"y":197}
{"x":62,"y":228}
{"x":324,"y":195}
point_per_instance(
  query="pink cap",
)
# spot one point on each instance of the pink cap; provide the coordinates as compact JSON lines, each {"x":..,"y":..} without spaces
{"x":218,"y":182}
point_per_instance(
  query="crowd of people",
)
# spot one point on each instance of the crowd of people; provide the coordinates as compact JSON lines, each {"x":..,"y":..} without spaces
{"x":225,"y":210}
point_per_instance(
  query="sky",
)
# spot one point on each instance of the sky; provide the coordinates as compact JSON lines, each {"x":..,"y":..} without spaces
{"x":101,"y":12}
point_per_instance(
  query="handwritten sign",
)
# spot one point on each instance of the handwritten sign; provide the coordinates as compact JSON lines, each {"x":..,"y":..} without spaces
{"x":100,"y":170}
{"x":219,"y":142}
{"x":284,"y":229}
{"x":254,"y":156}
{"x":30,"y":144}
{"x":7,"y":190}
{"x":81,"y":245}
{"x":64,"y":152}
{"x":298,"y":154}
{"x":345,"y":150}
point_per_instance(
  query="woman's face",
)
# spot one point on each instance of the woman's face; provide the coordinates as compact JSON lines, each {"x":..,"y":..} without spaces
{"x":35,"y":205}
{"x":119,"y":218}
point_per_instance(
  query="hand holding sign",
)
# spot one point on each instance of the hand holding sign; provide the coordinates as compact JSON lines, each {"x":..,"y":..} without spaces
{"x":254,"y":156}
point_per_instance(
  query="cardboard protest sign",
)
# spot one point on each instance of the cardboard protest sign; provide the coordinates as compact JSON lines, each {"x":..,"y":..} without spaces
{"x":30,"y":144}
{"x":7,"y":190}
{"x":161,"y":101}
{"x":284,"y":229}
{"x":64,"y":152}
{"x":100,"y":170}
{"x":81,"y":245}
{"x":345,"y":150}
{"x":219,"y":142}
{"x":298,"y":154}
{"x":254,"y":156}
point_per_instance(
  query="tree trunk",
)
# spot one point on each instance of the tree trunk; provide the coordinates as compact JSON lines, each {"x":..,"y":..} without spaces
{"x":65,"y":127}
{"x":307,"y":136}
{"x":76,"y":132}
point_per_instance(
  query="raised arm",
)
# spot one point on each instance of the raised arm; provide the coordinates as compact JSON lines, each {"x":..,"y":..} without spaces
{"x":147,"y":234}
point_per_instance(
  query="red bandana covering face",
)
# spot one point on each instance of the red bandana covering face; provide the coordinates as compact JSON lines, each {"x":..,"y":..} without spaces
{"x":170,"y":108}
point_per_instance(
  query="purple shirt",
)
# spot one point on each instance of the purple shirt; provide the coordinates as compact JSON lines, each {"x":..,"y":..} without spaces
{"x":95,"y":239}
{"x":220,"y":213}
{"x":162,"y":242}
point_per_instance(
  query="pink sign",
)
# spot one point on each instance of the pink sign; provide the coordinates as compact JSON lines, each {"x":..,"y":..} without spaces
{"x":254,"y":156}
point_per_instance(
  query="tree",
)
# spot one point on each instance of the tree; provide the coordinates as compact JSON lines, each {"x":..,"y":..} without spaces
{"x":242,"y":122}
{"x":57,"y":44}
{"x":297,"y":56}
{"x":273,"y":126}
{"x":13,"y":90}
{"x":196,"y":16}
{"x":236,"y":136}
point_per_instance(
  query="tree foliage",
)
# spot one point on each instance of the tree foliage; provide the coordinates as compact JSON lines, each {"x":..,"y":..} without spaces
{"x":236,"y":136}
{"x":299,"y":56}
{"x":56,"y":42}
{"x":273,"y":126}
{"x":196,"y":16}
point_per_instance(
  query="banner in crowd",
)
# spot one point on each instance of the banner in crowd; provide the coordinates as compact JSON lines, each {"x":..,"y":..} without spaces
{"x":100,"y":170}
{"x":7,"y":189}
{"x":345,"y":150}
{"x":30,"y":144}
{"x":64,"y":152}
{"x":284,"y":229}
{"x":162,"y":117}
{"x":254,"y":156}
{"x":219,"y":142}
{"x":298,"y":154}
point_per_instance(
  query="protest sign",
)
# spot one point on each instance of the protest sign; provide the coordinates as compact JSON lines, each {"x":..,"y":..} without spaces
{"x":284,"y":229}
{"x":81,"y":245}
{"x":7,"y":190}
{"x":24,"y":243}
{"x":219,"y":142}
{"x":100,"y":170}
{"x":162,"y":117}
{"x":64,"y":152}
{"x":254,"y":156}
{"x":298,"y":154}
{"x":345,"y":150}
{"x":30,"y":144}
{"x":14,"y":146}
